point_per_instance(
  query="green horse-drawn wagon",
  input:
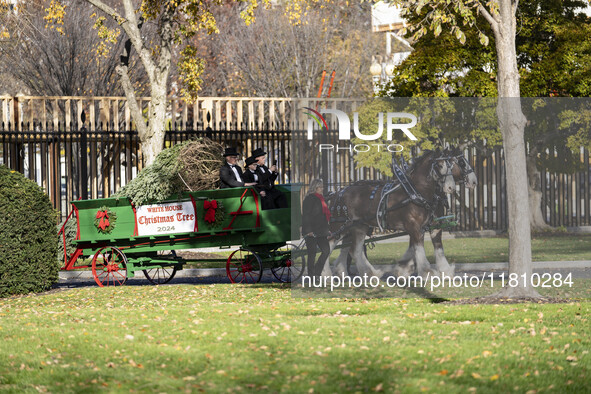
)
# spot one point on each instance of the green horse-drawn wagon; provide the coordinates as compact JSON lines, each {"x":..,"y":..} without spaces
{"x":122,"y":238}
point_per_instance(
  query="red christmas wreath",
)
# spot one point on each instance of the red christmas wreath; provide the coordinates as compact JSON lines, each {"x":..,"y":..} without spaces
{"x":105,"y":220}
{"x":214,"y":212}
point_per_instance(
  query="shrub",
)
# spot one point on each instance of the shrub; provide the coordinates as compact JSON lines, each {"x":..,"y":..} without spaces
{"x":27,"y":236}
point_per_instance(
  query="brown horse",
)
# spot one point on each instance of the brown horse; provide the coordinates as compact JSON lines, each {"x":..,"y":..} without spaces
{"x":356,"y":209}
{"x":465,"y":175}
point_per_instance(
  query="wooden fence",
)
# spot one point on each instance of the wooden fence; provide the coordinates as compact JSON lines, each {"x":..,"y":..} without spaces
{"x":113,"y":113}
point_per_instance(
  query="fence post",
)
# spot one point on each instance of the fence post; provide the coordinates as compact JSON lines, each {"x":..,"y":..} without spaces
{"x":83,"y":157}
{"x":18,"y":160}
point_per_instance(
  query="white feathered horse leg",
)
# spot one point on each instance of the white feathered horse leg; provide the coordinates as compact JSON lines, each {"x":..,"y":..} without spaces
{"x":340,"y":264}
{"x":441,"y":262}
{"x":357,"y":251}
{"x":423,"y":266}
{"x":326,"y":269}
{"x":406,"y":264}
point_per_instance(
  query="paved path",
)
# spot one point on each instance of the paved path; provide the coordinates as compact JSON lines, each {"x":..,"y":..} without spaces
{"x":579,"y":269}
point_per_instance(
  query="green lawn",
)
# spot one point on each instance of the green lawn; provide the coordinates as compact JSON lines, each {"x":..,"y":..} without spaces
{"x":480,"y":250}
{"x":246,"y":338}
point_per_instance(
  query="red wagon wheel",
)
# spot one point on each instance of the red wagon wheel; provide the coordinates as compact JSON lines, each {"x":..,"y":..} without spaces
{"x":162,"y":275}
{"x":291,"y":266}
{"x":244,"y":266}
{"x":109,"y":267}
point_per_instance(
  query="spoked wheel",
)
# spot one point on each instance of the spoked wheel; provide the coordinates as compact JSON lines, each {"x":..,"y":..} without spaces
{"x":109,"y":267}
{"x":162,"y":275}
{"x":244,"y":266}
{"x":291,"y":266}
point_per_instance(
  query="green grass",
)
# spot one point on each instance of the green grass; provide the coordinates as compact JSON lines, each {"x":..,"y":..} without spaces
{"x":483,"y":250}
{"x":229,"y":338}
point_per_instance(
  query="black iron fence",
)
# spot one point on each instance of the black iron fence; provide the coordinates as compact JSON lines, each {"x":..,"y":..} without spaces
{"x":72,"y":165}
{"x":81,"y":163}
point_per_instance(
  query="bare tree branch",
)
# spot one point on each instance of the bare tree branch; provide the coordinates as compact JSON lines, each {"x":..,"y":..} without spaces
{"x":274,"y":57}
{"x":494,"y":23}
{"x":45,"y":62}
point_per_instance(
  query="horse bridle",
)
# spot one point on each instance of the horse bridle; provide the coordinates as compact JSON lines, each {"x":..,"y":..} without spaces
{"x":434,"y":174}
{"x":465,"y":167}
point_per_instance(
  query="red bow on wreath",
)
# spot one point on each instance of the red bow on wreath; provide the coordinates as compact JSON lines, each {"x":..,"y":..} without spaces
{"x":104,"y":219}
{"x":210,"y":206}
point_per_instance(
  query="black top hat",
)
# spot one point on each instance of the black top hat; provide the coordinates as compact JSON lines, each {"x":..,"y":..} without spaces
{"x":258,"y":152}
{"x":231,"y":152}
{"x":250,"y":160}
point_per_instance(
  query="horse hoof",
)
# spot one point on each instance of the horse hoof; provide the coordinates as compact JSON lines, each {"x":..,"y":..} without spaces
{"x":338,"y":270}
{"x":429,"y":273}
{"x":403,"y":271}
{"x":448,"y":272}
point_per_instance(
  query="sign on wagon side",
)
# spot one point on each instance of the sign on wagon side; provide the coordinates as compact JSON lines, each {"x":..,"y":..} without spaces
{"x":167,"y":218}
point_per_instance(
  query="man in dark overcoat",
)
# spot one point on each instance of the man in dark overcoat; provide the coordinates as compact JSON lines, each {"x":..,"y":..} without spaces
{"x":230,"y":172}
{"x":267,"y":177}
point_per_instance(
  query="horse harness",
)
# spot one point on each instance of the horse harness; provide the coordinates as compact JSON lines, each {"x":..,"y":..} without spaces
{"x":402,"y":181}
{"x":414,"y":196}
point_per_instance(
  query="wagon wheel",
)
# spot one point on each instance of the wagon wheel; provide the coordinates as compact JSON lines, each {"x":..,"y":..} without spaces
{"x":292,"y":265}
{"x":244,"y":266}
{"x":109,"y":267}
{"x":162,"y":275}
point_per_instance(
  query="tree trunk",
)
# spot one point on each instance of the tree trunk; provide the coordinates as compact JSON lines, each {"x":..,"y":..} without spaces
{"x":151,"y":131}
{"x":153,"y":141}
{"x":536,"y":218}
{"x":512,"y":124}
{"x":151,"y":147}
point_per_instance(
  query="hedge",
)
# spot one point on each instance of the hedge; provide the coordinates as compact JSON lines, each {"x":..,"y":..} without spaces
{"x":27,"y":236}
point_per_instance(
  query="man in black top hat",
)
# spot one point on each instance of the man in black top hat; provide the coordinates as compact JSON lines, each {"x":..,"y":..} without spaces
{"x":231,"y":173}
{"x":251,"y":175}
{"x":267,"y":176}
